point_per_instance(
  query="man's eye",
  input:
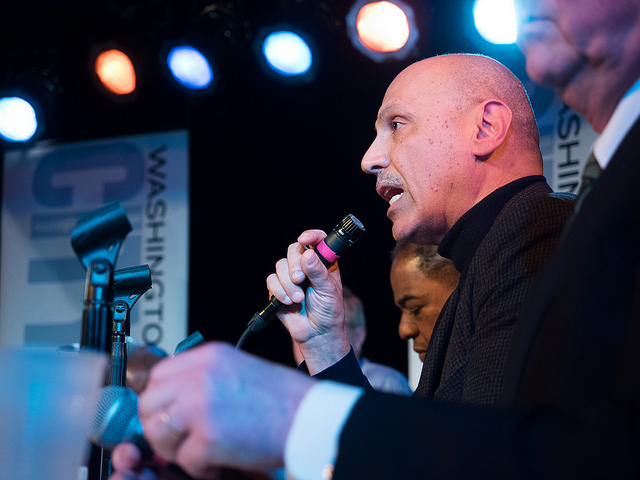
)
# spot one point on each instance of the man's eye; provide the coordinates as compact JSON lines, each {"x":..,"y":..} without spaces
{"x":395,"y":126}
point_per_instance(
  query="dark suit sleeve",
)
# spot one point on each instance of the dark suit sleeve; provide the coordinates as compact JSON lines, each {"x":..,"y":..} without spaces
{"x":415,"y":438}
{"x":346,"y":370}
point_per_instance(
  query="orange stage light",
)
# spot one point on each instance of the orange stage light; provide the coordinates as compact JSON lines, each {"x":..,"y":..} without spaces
{"x":116,"y":72}
{"x":382,"y":26}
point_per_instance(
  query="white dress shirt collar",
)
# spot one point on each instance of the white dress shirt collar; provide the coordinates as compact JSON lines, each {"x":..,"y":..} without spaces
{"x":624,"y":116}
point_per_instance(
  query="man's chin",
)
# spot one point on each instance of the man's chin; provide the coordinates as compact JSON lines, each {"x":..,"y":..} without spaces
{"x":396,"y":231}
{"x":551,"y":68}
{"x":418,"y":237}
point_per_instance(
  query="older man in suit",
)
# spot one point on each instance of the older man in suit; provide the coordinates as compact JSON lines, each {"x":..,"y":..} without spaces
{"x":572,"y":402}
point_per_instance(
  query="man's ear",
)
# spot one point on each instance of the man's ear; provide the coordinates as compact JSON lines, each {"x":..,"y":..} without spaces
{"x":492,"y":127}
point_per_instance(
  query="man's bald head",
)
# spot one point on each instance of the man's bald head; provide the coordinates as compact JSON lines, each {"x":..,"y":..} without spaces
{"x":471,"y":79}
{"x":450,"y":131}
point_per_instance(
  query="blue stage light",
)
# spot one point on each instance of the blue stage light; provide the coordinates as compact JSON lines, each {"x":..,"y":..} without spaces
{"x":18,"y":119}
{"x":287,"y":53}
{"x":190,"y":67}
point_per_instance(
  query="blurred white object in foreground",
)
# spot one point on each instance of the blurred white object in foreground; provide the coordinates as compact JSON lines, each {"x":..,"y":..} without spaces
{"x":46,"y":404}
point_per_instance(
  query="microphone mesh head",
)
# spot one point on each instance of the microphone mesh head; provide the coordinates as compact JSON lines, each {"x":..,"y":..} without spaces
{"x":350,"y":229}
{"x":116,"y":409}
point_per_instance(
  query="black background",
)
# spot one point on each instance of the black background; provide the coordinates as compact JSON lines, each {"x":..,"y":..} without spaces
{"x":267,"y":159}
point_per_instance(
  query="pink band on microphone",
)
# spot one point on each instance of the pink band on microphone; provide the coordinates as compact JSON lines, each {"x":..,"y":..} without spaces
{"x":327,"y":253}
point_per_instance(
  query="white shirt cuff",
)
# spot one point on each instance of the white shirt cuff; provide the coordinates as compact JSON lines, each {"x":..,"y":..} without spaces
{"x":312,"y":445}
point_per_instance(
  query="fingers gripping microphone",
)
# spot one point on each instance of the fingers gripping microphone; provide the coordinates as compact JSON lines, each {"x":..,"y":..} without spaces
{"x":334,"y":246}
{"x":116,"y":420}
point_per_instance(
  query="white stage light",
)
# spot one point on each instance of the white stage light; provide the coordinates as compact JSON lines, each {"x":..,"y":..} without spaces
{"x":495,"y":21}
{"x":18,"y":120}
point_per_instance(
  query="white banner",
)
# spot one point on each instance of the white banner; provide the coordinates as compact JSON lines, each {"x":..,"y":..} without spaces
{"x":47,"y":188}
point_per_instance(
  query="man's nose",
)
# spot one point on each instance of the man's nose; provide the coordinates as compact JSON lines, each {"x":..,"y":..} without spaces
{"x":375,"y":159}
{"x":407,"y":328}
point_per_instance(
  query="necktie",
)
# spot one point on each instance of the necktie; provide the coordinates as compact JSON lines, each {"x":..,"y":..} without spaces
{"x":590,"y":174}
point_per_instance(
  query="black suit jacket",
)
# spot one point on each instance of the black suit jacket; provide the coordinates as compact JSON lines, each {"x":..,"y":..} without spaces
{"x":470,"y":343}
{"x":572,"y":389}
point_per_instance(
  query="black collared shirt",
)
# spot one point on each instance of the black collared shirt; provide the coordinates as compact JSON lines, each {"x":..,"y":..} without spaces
{"x":462,"y":240}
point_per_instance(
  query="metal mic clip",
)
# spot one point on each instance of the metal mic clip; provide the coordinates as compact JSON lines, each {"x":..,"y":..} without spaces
{"x":129,"y":284}
{"x":96,"y":240}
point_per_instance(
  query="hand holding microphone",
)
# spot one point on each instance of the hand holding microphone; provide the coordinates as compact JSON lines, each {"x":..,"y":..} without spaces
{"x":307,"y":274}
{"x":205,"y":410}
{"x":116,"y":422}
{"x":328,"y":250}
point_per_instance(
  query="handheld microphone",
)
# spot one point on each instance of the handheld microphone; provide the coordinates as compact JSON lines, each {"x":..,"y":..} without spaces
{"x":115,"y":416}
{"x":116,"y":419}
{"x":329,"y":250}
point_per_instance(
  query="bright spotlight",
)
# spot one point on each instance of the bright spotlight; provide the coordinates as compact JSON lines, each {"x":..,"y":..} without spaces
{"x":287,"y":53}
{"x":18,"y":120}
{"x":382,"y":30}
{"x":495,"y":21}
{"x":115,"y":71}
{"x":382,"y":26}
{"x":190,"y":67}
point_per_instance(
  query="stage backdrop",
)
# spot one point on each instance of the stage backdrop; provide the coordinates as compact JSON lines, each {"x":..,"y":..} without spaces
{"x":565,"y":141}
{"x":47,"y":188}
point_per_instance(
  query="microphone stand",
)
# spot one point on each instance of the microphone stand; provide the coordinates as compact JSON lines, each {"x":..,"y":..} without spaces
{"x":96,"y":240}
{"x":96,"y":312}
{"x":129,"y":285}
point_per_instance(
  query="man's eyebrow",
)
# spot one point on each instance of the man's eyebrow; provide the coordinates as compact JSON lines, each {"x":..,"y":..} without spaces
{"x":402,"y":302}
{"x":383,"y":112}
{"x":401,"y":111}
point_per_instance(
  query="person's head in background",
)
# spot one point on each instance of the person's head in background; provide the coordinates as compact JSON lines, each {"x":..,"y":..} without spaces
{"x":139,"y":364}
{"x":587,"y":50}
{"x":421,"y":281}
{"x":355,"y":323}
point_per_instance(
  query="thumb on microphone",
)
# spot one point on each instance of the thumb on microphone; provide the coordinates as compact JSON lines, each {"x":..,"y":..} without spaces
{"x":127,"y":458}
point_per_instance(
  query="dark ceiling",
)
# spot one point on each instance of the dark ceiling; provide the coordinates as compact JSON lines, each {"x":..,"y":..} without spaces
{"x":268,"y":159}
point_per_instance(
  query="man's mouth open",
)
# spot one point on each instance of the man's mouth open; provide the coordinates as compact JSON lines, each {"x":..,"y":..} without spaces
{"x":391,"y":194}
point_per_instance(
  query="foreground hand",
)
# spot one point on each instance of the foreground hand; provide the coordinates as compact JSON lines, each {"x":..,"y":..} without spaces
{"x":318,"y":329}
{"x":128,"y":464}
{"x":207,"y":408}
